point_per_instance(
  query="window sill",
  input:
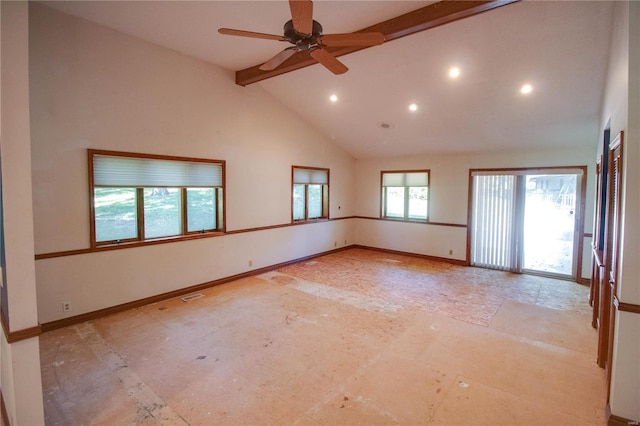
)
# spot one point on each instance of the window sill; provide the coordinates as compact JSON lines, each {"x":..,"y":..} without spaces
{"x":130,"y":244}
{"x":400,"y":219}
{"x":301,"y":221}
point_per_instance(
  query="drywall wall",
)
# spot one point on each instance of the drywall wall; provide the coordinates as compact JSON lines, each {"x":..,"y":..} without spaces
{"x":449,"y":192}
{"x":92,"y":87}
{"x":121,"y":276}
{"x":429,"y":240}
{"x":629,"y":289}
{"x":16,"y":179}
{"x":20,"y":361}
{"x":621,"y":108}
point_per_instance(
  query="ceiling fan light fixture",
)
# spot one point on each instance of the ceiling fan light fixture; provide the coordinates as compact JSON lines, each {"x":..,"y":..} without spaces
{"x":413,"y":107}
{"x":454,"y":72}
{"x":333,"y":98}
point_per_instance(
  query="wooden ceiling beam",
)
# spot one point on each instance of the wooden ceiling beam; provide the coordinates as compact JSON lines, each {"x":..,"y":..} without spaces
{"x":422,"y":19}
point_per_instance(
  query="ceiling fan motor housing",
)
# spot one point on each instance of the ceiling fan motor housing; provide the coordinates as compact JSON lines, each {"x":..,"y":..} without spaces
{"x":302,"y":40}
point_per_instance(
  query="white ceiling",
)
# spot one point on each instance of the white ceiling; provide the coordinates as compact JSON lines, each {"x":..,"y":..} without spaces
{"x":560,"y":47}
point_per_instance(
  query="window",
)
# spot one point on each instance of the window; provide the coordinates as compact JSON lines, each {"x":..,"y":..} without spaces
{"x":138,"y":197}
{"x":405,"y":195}
{"x":310,"y":193}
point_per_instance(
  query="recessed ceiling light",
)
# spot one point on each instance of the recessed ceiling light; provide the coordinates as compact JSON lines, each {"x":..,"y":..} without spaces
{"x":333,"y":98}
{"x":454,"y":72}
{"x":413,"y":107}
{"x":526,"y":89}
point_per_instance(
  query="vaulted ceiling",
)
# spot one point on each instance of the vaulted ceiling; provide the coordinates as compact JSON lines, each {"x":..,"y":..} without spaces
{"x":560,"y":48}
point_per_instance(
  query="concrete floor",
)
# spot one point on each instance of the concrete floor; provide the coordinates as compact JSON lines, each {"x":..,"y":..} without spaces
{"x":355,"y":337}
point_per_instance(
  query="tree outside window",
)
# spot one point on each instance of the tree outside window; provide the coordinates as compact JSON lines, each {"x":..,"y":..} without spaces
{"x":138,"y":197}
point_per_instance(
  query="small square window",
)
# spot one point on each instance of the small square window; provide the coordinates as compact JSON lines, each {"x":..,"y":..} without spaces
{"x":310,"y":193}
{"x":405,"y":195}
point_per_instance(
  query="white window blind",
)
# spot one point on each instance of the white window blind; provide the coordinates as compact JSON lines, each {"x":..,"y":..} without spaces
{"x":116,"y":171}
{"x":405,"y":179}
{"x":310,"y":176}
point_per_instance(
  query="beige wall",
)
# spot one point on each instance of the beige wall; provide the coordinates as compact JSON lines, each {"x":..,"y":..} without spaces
{"x":449,"y":192}
{"x":15,"y":155}
{"x":621,"y":105}
{"x":20,"y":361}
{"x":92,"y":87}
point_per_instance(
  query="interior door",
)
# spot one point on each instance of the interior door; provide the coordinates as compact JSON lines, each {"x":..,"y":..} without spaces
{"x":611,"y":249}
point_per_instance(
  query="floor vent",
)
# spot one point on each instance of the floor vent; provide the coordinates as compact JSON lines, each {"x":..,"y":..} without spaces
{"x":190,"y":297}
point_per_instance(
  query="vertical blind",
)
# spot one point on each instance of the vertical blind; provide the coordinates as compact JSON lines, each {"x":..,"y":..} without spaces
{"x":117,"y":171}
{"x":494,"y":223}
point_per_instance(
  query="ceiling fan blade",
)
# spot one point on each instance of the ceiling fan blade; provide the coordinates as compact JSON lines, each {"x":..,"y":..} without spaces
{"x":329,"y":61}
{"x":352,"y":39}
{"x":242,"y":33}
{"x":302,"y":15}
{"x":275,"y":62}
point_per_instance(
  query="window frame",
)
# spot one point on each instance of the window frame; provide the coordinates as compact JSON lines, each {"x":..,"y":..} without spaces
{"x":406,"y":218}
{"x":219,"y":208}
{"x":325,"y":195}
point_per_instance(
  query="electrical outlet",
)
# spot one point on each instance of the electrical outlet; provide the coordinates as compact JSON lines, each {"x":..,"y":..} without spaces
{"x":335,"y":244}
{"x":345,"y":242}
{"x":66,"y":306}
{"x":251,"y":263}
{"x":450,"y":252}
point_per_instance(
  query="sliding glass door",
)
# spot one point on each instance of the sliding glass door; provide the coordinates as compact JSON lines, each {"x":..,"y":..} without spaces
{"x":525,"y":221}
{"x":549,"y":223}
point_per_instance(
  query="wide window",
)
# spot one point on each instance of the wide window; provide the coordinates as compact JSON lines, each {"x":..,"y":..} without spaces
{"x":405,"y":195}
{"x":310,"y":193}
{"x":137,"y":197}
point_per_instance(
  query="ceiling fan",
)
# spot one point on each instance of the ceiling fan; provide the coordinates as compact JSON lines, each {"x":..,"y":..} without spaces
{"x":305,"y":34}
